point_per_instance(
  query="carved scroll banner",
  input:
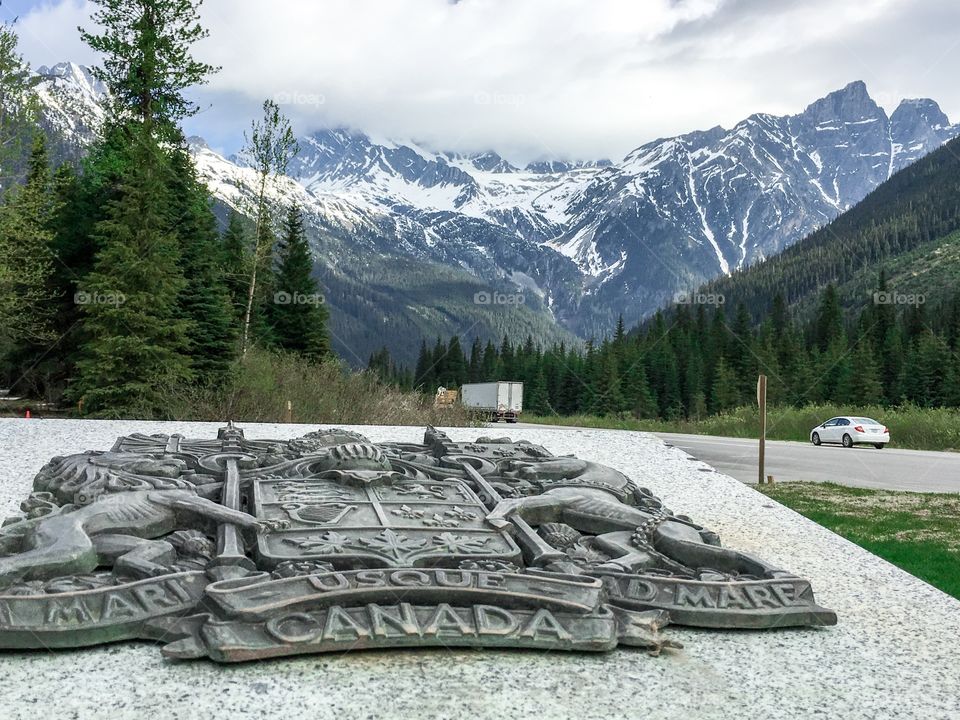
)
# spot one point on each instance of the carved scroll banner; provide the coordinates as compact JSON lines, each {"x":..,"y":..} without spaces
{"x":784,"y":602}
{"x":92,"y":617}
{"x":339,"y":629}
{"x":258,"y":600}
{"x":352,"y":545}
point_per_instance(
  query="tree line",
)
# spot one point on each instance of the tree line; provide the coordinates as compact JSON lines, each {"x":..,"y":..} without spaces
{"x":117,"y":282}
{"x":700,"y":361}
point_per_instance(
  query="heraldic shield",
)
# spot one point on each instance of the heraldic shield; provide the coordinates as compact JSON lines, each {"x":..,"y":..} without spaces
{"x":238,"y":549}
{"x":369,"y":519}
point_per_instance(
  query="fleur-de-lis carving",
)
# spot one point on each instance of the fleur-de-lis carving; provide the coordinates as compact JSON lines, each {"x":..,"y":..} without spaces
{"x":407,"y":512}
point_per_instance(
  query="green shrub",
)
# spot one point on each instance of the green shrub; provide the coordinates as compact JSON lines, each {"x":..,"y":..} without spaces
{"x":261,"y":384}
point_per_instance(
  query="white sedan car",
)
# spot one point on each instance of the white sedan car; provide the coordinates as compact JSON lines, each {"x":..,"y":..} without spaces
{"x":850,"y":431}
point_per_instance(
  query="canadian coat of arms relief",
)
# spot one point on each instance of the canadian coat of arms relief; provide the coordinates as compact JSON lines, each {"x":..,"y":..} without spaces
{"x":237,"y":549}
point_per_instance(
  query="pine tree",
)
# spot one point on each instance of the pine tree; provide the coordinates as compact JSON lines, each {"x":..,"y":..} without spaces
{"x":475,"y":370}
{"x":881,"y":314}
{"x":456,"y":365}
{"x":135,"y":340}
{"x":17,"y":107}
{"x":835,"y":372}
{"x":438,"y":361}
{"x":725,"y":394}
{"x":638,"y":398}
{"x":507,"y":366}
{"x":590,"y":390}
{"x":695,"y":396}
{"x":423,"y":375}
{"x":298,"y":313}
{"x":567,"y":402}
{"x":717,"y":346}
{"x":552,"y":365}
{"x":147,"y":60}
{"x":915,"y":323}
{"x":927,"y":379}
{"x":614,"y":402}
{"x":535,"y":399}
{"x":779,"y":317}
{"x":953,"y":322}
{"x":82,"y":200}
{"x":381,"y":365}
{"x":236,"y":259}
{"x":620,"y":334}
{"x":829,"y":322}
{"x":205,"y":300}
{"x":865,"y":385}
{"x":26,"y":258}
{"x":492,"y":368}
{"x":893,"y":372}
{"x":743,"y":355}
{"x":951,"y":385}
{"x":137,"y":220}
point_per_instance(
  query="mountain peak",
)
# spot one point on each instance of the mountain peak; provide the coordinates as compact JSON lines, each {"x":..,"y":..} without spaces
{"x":73,"y":74}
{"x":851,"y":102}
{"x":856,"y":88}
{"x":920,"y":110}
{"x":63,"y":69}
{"x":197,"y":143}
{"x":490,"y":161}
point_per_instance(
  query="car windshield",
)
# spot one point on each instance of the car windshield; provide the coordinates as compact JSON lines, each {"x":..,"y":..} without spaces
{"x":865,"y":421}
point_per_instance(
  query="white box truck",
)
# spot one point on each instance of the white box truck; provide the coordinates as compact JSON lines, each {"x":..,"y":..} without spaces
{"x":501,"y":400}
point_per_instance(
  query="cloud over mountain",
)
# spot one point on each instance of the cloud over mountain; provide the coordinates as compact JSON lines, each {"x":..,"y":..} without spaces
{"x":542,"y":78}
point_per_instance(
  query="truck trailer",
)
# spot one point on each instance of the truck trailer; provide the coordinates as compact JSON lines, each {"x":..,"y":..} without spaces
{"x":499,"y":400}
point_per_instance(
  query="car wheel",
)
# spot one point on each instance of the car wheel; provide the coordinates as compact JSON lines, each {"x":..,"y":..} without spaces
{"x":847,"y":441}
{"x":816,"y":439}
{"x":878,"y":446}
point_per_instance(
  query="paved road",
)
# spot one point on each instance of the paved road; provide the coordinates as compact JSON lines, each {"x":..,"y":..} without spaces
{"x":867,"y":467}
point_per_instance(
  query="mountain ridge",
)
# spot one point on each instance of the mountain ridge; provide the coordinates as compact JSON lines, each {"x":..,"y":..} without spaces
{"x":589,"y":240}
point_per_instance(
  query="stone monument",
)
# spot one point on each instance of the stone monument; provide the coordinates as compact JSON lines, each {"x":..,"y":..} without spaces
{"x":236,"y":549}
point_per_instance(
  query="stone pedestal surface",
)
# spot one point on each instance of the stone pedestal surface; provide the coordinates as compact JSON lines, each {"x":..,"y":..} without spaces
{"x":894,"y":653}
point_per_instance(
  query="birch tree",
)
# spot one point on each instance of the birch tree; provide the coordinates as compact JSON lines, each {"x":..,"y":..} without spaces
{"x":270,"y":146}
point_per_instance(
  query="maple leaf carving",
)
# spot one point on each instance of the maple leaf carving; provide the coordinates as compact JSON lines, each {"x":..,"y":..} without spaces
{"x":329,"y":542}
{"x":460,"y":544}
{"x":393,"y":544}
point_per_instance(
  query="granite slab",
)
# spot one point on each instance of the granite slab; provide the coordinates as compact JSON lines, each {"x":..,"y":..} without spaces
{"x":895,"y":652}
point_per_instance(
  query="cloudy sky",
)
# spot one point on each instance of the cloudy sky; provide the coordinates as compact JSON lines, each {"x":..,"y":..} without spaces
{"x":540,"y":78}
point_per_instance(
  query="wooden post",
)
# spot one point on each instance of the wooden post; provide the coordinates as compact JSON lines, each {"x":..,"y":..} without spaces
{"x":289,"y":411}
{"x":762,"y":402}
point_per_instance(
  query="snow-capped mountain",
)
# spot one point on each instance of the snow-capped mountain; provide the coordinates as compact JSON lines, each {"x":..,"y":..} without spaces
{"x":72,"y":103}
{"x":587,"y":240}
{"x":672,"y":213}
{"x":393,"y":177}
{"x":678,"y":210}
